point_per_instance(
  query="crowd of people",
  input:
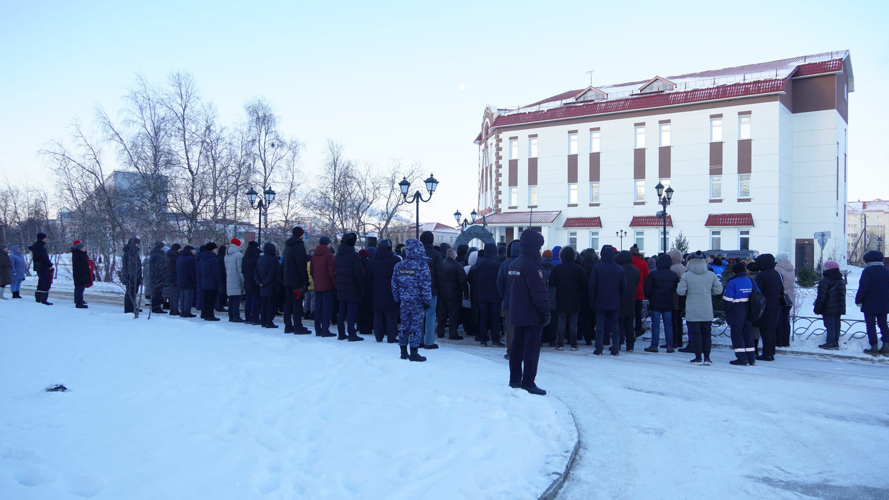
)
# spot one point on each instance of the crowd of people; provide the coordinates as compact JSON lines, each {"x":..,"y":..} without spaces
{"x":514,"y":293}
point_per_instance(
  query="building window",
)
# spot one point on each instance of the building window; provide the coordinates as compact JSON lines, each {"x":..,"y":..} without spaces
{"x":665,"y":134}
{"x":715,"y":187}
{"x":513,"y":149}
{"x":744,"y":243}
{"x":513,"y":196}
{"x":715,"y":240}
{"x":639,"y":240}
{"x":594,"y":240}
{"x":572,"y":240}
{"x":744,"y":127}
{"x":660,"y":240}
{"x":532,"y":196}
{"x":640,"y":137}
{"x":572,"y":144}
{"x":594,"y":141}
{"x":572,"y":194}
{"x":639,"y":193}
{"x":716,"y":130}
{"x":532,"y":147}
{"x":594,"y":192}
{"x":744,"y":186}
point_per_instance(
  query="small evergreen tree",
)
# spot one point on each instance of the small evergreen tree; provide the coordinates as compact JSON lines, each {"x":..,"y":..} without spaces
{"x":680,"y":243}
{"x":807,"y":277}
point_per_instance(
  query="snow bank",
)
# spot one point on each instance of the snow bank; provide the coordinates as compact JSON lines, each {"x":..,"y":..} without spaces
{"x":175,"y":408}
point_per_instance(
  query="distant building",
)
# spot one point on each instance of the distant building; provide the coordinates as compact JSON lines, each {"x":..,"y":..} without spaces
{"x":442,"y":233}
{"x":867,"y":227}
{"x":756,"y":155}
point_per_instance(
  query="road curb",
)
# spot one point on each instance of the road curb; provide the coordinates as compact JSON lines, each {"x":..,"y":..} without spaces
{"x":553,"y":490}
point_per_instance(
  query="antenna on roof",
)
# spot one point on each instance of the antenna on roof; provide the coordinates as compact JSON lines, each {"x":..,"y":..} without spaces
{"x":590,"y":72}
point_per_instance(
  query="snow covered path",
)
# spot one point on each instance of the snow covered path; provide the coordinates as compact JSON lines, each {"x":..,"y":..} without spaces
{"x":654,"y":426}
{"x":176,"y":408}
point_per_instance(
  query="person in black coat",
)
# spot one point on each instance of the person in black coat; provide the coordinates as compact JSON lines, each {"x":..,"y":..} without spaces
{"x":529,"y":311}
{"x":772,"y":287}
{"x":43,"y":267}
{"x":266,"y":277}
{"x":157,"y":271}
{"x":131,"y":274}
{"x":489,"y":298}
{"x":659,"y":287}
{"x":221,"y":292}
{"x":452,"y":289}
{"x":628,"y":300}
{"x":462,"y":254}
{"x":586,"y":320}
{"x":607,"y":285}
{"x":385,"y":309}
{"x":435,"y":260}
{"x":365,"y":322}
{"x":830,"y":303}
{"x":80,"y":266}
{"x":251,"y":287}
{"x":569,"y":281}
{"x":211,"y":279}
{"x":186,"y":280}
{"x":296,"y":281}
{"x":171,"y":287}
{"x":873,"y":299}
{"x":349,"y":281}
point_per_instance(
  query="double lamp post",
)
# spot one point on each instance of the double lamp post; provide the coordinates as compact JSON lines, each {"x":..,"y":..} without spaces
{"x":664,"y":197}
{"x":262,"y":207}
{"x":417,"y":197}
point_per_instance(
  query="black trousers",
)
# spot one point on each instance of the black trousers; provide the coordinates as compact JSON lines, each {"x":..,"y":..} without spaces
{"x":637,"y":312}
{"x":268,"y":306}
{"x":346,"y":319}
{"x":131,"y":298}
{"x":699,"y":335}
{"x":524,"y":354}
{"x":293,"y":308}
{"x":234,"y":308}
{"x":448,"y":310}
{"x":386,"y":325}
{"x":782,"y":335}
{"x":157,"y":299}
{"x":607,"y":327}
{"x":626,"y":331}
{"x":209,"y":302}
{"x":768,"y":341}
{"x":489,"y":313}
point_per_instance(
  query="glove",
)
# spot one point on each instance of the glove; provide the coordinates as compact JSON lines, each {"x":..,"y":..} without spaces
{"x":425,"y":306}
{"x":547,"y":317}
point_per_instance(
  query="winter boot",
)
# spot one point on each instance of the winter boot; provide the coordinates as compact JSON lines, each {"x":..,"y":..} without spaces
{"x":739,"y":362}
{"x":885,"y":349}
{"x":288,"y":328}
{"x":873,"y":351}
{"x":415,"y":356}
{"x":535,"y":390}
{"x":3,"y":293}
{"x":37,"y":296}
{"x":354,"y":338}
{"x":16,"y":295}
{"x":707,"y":362}
{"x":404,"y":352}
{"x":44,"y":299}
{"x":697,"y":361}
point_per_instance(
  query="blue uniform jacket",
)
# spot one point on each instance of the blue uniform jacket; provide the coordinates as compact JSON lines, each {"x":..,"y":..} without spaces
{"x":411,"y":280}
{"x":735,"y":299}
{"x":502,"y":282}
{"x":528,"y":298}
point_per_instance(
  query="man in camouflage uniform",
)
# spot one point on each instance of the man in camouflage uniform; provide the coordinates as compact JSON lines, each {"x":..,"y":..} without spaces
{"x":412,"y":289}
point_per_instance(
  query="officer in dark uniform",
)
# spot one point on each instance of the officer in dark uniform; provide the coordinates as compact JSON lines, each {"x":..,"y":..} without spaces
{"x":412,"y":289}
{"x":529,"y":312}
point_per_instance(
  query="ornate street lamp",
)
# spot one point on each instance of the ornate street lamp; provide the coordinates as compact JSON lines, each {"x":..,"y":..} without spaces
{"x":664,"y":198}
{"x":262,"y":206}
{"x":417,"y":197}
{"x":621,"y":234}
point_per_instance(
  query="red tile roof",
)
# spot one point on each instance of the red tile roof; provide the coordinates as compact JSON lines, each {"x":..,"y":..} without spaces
{"x":521,"y":218}
{"x":583,"y":222}
{"x":650,"y":221}
{"x":729,"y":220}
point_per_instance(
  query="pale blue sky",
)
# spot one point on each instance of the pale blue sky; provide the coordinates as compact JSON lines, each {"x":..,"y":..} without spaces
{"x":384,"y":79}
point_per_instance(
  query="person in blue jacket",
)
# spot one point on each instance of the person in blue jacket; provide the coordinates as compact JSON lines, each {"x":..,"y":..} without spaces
{"x":385,"y":309}
{"x":503,"y":289}
{"x":607,"y":284}
{"x":186,"y":280}
{"x":735,"y":304}
{"x":18,"y":270}
{"x":412,"y":289}
{"x":211,"y":280}
{"x":489,"y":297}
{"x":873,"y":299}
{"x":266,"y":275}
{"x":529,"y":311}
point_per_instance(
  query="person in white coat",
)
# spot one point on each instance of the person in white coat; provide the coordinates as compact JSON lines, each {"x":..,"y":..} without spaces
{"x":699,"y":285}
{"x":234,"y":280}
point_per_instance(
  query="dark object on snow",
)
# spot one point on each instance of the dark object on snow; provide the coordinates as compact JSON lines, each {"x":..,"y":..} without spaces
{"x":56,"y":388}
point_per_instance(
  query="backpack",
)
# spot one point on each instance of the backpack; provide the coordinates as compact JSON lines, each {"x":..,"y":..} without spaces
{"x":756,"y":303}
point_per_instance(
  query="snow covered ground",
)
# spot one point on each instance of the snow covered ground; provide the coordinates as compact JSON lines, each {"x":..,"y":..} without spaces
{"x":175,"y":408}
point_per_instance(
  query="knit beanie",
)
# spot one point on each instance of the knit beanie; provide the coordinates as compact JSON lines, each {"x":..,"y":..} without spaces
{"x":427,"y":238}
{"x":253,"y":244}
{"x":176,"y":246}
{"x":76,"y":242}
{"x":873,"y":256}
{"x":738,"y":268}
{"x":831,"y":264}
{"x":350,"y":239}
{"x":324,"y":240}
{"x":236,"y":242}
{"x":79,"y":246}
{"x":209,"y":247}
{"x":298,"y":231}
{"x":548,"y":253}
{"x":364,"y":253}
{"x":41,"y":236}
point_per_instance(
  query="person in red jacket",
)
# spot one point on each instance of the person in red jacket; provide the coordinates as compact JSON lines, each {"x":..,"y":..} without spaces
{"x":640,"y":264}
{"x":323,"y":271}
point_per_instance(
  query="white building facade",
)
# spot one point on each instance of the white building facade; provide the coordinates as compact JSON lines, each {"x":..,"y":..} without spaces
{"x":756,"y":156}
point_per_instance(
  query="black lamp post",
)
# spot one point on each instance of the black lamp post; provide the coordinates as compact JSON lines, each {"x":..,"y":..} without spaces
{"x":417,"y":197}
{"x":621,"y":234}
{"x":263,"y":207}
{"x":474,"y":215}
{"x":664,"y":198}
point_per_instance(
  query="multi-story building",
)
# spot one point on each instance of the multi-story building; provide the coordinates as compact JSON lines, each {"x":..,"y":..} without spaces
{"x":756,"y":155}
{"x":867,"y":227}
